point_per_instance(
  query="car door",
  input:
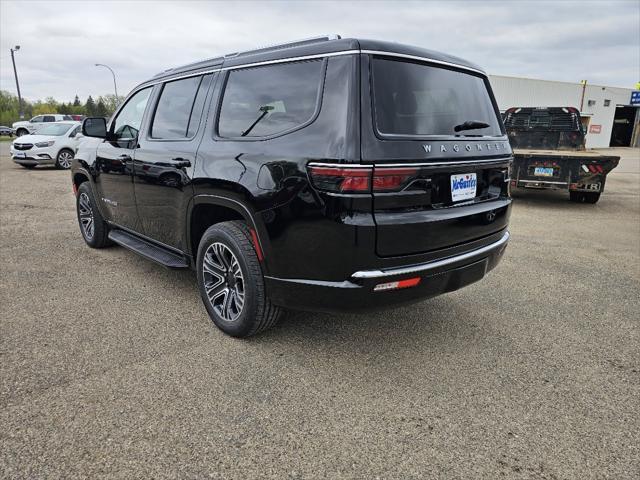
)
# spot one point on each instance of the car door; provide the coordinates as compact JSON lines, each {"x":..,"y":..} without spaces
{"x":114,"y":162}
{"x":35,"y":123}
{"x":165,"y":158}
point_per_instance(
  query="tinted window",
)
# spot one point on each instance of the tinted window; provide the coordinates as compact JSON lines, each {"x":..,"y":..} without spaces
{"x":415,"y":99}
{"x":179,"y":108}
{"x":36,"y":119}
{"x":49,"y":118}
{"x":67,"y":117}
{"x":267,"y":100}
{"x":127,"y":123}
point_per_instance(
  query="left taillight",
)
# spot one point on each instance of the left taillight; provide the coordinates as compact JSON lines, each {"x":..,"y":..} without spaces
{"x":341,"y":179}
{"x":360,"y":179}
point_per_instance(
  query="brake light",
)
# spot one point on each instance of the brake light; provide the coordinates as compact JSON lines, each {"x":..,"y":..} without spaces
{"x":360,"y":179}
{"x":341,"y":179}
{"x":389,"y":179}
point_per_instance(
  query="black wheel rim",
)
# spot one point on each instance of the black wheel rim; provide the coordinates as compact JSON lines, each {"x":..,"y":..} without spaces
{"x":223,"y":281}
{"x":85,"y":213}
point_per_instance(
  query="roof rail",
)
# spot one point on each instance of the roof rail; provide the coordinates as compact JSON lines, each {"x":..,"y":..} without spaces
{"x":280,"y":46}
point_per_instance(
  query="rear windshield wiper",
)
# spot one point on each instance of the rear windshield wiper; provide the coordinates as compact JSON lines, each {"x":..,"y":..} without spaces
{"x":470,"y":125}
{"x":264,"y":109}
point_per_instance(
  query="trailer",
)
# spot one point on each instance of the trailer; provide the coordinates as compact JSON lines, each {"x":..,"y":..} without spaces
{"x":549,"y":153}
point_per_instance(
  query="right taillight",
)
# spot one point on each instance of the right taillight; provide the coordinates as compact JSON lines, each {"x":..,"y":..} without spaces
{"x":392,"y":179}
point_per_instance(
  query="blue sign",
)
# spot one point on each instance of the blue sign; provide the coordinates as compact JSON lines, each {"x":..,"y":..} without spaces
{"x":635,"y":98}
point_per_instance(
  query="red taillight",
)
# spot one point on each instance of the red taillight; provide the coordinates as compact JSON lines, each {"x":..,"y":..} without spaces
{"x":339,"y":179}
{"x":389,"y":179}
{"x":599,"y":168}
{"x":360,"y":180}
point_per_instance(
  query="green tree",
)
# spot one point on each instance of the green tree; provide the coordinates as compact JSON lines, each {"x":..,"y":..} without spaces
{"x":90,"y":107}
{"x":76,"y":102}
{"x":101,"y":109}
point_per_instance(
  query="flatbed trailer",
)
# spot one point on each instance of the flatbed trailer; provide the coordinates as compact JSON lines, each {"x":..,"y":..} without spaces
{"x":563,"y":163}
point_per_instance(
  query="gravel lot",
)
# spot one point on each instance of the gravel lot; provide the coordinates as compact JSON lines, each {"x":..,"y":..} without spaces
{"x":111,"y":368}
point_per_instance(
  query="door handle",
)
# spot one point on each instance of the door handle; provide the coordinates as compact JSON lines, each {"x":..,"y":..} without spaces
{"x":124,"y":158}
{"x":180,"y":162}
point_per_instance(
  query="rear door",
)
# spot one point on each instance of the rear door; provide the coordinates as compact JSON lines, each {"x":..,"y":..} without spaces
{"x":166,"y":156}
{"x":440,"y":157}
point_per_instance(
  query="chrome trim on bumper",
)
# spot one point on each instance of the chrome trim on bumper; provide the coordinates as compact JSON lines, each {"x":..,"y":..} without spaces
{"x":425,"y":267}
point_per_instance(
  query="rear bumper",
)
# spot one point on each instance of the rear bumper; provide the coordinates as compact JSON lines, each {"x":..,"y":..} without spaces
{"x":357,"y":293}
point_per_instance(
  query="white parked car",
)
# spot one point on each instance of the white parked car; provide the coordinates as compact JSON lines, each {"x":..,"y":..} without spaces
{"x":31,"y":126}
{"x":54,"y":144}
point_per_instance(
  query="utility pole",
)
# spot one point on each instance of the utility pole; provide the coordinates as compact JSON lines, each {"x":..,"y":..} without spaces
{"x":15,"y":72}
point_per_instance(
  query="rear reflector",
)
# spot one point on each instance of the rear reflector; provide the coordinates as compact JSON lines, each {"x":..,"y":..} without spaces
{"x":75,"y":189}
{"x":256,"y":244}
{"x":410,"y":282}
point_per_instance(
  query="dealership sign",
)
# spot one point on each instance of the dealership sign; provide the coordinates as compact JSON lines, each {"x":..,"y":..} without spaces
{"x":635,"y":98}
{"x":595,"y":128}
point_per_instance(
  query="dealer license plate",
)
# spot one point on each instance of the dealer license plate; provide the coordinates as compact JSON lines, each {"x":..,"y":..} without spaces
{"x":543,"y":172}
{"x":20,"y":155}
{"x":463,"y":186}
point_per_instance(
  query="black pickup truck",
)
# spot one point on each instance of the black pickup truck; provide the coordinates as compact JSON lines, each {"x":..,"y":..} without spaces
{"x":549,"y":153}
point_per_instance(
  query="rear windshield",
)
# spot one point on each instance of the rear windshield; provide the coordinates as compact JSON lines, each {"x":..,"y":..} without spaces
{"x":416,"y":99}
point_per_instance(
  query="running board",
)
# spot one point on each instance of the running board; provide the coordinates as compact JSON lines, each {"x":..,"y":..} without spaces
{"x":148,"y":250}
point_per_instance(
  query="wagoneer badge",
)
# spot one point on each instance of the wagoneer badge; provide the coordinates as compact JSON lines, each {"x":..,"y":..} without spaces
{"x":455,"y":148}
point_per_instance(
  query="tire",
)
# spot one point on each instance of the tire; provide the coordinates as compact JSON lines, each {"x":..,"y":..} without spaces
{"x":21,"y":131}
{"x":584,"y":197}
{"x":64,"y":158}
{"x":92,"y":226}
{"x":231,"y":282}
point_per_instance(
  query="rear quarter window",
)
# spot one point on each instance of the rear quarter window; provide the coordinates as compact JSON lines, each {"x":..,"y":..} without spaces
{"x":270,"y":100}
{"x":414,"y":99}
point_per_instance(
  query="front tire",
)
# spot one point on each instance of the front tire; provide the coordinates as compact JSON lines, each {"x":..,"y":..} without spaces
{"x":64,"y":159}
{"x":231,"y":282}
{"x":21,"y":131}
{"x":92,"y":226}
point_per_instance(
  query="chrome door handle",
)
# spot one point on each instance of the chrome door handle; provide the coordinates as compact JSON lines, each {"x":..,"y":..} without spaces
{"x":180,"y":162}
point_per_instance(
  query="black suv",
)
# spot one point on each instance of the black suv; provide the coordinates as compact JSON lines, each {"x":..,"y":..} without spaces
{"x":327,"y":174}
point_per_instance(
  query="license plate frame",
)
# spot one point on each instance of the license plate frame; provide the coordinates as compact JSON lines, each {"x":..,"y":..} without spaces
{"x":463,"y":186}
{"x":543,"y":171}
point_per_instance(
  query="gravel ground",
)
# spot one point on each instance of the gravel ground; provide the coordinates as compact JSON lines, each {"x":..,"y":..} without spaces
{"x":111,"y":368}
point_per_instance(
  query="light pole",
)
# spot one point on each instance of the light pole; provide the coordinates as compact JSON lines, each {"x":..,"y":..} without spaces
{"x":15,"y":72}
{"x":115,"y":87}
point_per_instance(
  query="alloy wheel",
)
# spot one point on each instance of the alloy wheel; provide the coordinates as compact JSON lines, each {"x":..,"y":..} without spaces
{"x":85,"y":212}
{"x":64,"y":159}
{"x":223,"y":281}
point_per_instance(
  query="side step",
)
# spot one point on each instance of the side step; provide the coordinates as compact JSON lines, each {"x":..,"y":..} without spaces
{"x":148,"y":250}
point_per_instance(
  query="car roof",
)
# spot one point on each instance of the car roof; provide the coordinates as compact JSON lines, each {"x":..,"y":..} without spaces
{"x":311,"y":47}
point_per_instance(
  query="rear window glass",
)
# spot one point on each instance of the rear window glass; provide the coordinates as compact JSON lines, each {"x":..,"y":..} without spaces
{"x":265,"y":101}
{"x":178,"y":111}
{"x":416,"y":99}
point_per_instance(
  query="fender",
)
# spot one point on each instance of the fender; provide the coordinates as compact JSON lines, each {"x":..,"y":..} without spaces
{"x":80,"y":166}
{"x":247,"y":213}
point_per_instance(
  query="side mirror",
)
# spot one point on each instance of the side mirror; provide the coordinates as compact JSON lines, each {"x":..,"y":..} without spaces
{"x":94,"y":127}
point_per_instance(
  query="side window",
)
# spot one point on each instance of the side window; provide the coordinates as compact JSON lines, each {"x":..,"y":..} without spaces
{"x":179,"y":108}
{"x":49,"y":118}
{"x":37,"y":119}
{"x":127,"y":124}
{"x":264,"y":101}
{"x":75,"y":131}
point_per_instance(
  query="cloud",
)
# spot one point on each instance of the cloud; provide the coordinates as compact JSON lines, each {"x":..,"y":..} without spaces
{"x":61,"y":41}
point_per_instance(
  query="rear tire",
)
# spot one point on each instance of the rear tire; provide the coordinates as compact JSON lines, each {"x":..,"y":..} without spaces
{"x":231,"y":282}
{"x":584,"y":197}
{"x":92,"y":226}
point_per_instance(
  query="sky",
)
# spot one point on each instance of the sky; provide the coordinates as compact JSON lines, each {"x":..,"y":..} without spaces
{"x":554,"y":40}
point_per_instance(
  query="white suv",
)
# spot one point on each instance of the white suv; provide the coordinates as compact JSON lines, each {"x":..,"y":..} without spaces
{"x":30,"y":126}
{"x":54,"y":144}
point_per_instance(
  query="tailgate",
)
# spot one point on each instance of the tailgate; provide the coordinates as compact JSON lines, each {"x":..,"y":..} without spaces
{"x":440,"y":206}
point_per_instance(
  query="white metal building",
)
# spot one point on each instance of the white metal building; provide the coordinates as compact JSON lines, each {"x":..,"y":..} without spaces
{"x":607,"y":114}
